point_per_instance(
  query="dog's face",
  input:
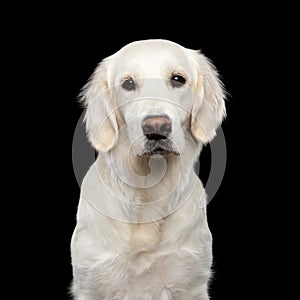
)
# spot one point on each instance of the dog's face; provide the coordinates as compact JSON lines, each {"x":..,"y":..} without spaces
{"x":154,"y":97}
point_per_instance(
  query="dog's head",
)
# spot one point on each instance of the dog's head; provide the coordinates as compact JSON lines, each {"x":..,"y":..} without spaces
{"x":153,"y":96}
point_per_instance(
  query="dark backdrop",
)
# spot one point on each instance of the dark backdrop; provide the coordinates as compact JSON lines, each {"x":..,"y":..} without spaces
{"x":52,"y":49}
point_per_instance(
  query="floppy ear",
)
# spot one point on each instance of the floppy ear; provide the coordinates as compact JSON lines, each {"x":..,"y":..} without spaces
{"x":100,"y":117}
{"x":208,"y":108}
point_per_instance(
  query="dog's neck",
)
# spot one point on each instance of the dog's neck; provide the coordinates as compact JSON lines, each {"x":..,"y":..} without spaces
{"x":145,"y":177}
{"x":145,"y":188}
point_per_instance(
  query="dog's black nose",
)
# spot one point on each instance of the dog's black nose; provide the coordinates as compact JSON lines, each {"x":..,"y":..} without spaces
{"x":157,"y":127}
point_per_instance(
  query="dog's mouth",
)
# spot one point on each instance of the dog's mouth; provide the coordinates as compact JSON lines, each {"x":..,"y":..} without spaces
{"x":161,"y":147}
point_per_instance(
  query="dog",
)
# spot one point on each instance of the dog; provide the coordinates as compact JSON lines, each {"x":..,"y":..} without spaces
{"x":142,"y":230}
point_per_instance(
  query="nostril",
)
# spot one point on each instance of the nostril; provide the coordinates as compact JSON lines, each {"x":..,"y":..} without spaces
{"x":148,"y":129}
{"x":165,"y":128}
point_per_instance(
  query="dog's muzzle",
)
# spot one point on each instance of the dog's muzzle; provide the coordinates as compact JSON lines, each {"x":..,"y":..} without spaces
{"x":156,"y":129}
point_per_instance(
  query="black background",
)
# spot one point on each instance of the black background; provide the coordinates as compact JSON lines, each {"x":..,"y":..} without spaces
{"x":66,"y":52}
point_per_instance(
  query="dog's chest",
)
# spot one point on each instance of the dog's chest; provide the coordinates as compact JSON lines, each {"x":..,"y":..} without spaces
{"x":150,"y":275}
{"x":145,"y":237}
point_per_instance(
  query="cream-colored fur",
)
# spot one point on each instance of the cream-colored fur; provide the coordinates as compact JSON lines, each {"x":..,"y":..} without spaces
{"x":141,"y":229}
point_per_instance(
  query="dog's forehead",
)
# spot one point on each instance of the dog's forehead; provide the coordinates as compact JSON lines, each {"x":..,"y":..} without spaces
{"x":152,"y":47}
{"x":151,"y":58}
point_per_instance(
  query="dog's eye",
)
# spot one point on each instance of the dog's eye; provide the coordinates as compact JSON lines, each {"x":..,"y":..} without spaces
{"x":128,"y":84}
{"x":177,"y":81}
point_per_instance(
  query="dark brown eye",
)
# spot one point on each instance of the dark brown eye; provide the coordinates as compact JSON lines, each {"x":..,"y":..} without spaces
{"x":128,"y":84}
{"x":177,"y":81}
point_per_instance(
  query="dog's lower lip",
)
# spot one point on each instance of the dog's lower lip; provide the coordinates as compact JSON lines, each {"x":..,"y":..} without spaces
{"x":162,"y":152}
{"x":159,"y":151}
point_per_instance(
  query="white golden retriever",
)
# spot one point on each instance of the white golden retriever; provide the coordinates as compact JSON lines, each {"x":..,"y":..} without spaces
{"x":141,"y":229}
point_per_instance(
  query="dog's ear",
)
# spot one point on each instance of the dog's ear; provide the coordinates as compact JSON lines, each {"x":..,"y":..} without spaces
{"x":208,"y":108}
{"x":100,"y":117}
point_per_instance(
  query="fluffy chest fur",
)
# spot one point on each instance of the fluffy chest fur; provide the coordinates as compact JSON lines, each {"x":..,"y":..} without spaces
{"x":168,"y":258}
